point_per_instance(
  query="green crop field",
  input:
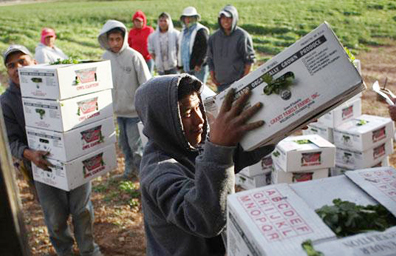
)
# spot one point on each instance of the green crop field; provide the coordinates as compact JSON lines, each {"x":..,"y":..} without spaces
{"x":273,"y":25}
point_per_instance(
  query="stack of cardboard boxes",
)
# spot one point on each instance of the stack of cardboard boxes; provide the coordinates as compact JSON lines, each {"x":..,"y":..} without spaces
{"x":363,"y":142}
{"x":302,"y":158}
{"x":256,"y":175}
{"x":68,"y":112}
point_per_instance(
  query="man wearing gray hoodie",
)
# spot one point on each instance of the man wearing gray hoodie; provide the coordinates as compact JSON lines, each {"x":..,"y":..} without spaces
{"x":163,"y":45}
{"x":230,"y":50}
{"x":129,"y":71}
{"x":185,"y":175}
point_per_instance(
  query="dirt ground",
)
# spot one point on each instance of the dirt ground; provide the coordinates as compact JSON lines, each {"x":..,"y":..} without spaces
{"x":119,"y":227}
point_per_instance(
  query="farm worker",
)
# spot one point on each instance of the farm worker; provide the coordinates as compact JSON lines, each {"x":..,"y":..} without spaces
{"x":185,"y":175}
{"x":193,"y":41}
{"x":138,"y":37}
{"x":129,"y":72}
{"x":56,"y":204}
{"x":163,"y":45}
{"x":230,"y":50}
{"x":46,"y":51}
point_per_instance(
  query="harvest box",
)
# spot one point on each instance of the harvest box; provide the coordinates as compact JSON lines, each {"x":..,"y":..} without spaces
{"x":74,"y":143}
{"x":346,"y":111}
{"x":65,"y":81}
{"x":70,"y":175}
{"x":352,"y":159}
{"x":322,"y":130}
{"x":363,"y":132}
{"x":280,"y":176}
{"x":338,"y":170}
{"x":250,"y":182}
{"x":304,"y":153}
{"x":257,"y":222}
{"x":315,"y":74}
{"x":262,"y":167}
{"x":65,"y":115}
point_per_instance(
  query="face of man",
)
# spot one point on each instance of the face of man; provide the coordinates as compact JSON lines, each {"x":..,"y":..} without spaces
{"x":15,"y":61}
{"x":226,"y":23}
{"x":49,"y":41}
{"x":192,"y":118}
{"x":163,"y":24}
{"x":138,"y":23}
{"x":115,"y":41}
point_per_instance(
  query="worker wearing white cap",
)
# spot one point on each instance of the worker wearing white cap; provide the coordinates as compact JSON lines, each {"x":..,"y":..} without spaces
{"x":193,"y":42}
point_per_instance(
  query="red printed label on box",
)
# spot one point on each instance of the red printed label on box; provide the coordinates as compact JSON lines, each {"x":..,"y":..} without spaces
{"x":310,"y":159}
{"x":379,"y":151}
{"x":379,"y":134}
{"x":86,"y":75}
{"x":87,"y":106}
{"x":347,"y":112}
{"x":93,"y":165}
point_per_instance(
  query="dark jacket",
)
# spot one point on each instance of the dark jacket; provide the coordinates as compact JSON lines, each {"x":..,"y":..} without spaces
{"x":228,"y":54}
{"x":14,"y":119}
{"x":184,"y":189}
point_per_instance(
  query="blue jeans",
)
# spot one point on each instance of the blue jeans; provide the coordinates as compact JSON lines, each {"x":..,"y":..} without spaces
{"x":150,"y":65}
{"x":57,"y":205}
{"x":130,"y":144}
{"x":202,"y":75}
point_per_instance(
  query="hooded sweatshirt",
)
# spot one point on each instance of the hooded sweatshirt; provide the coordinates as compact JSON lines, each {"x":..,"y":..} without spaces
{"x":129,"y":71}
{"x":138,"y":37}
{"x":155,"y":48}
{"x":46,"y":54}
{"x":14,"y":120}
{"x":228,"y":54}
{"x":184,"y":191}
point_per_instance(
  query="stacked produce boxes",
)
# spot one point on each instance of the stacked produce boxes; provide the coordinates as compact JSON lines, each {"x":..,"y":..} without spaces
{"x":302,"y":158}
{"x":363,"y":142}
{"x":256,"y":175}
{"x":68,"y":112}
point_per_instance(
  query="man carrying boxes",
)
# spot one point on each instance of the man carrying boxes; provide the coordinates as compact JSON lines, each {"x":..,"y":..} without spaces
{"x":57,"y":204}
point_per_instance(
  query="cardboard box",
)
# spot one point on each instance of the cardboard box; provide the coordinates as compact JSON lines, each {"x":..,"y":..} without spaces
{"x":65,"y":81}
{"x":363,"y":159}
{"x":64,"y":115}
{"x":250,"y":182}
{"x":363,"y":133}
{"x":66,"y":146}
{"x":304,"y":153}
{"x":323,"y":75}
{"x":70,"y":175}
{"x":280,"y":176}
{"x":262,"y":167}
{"x":347,"y":111}
{"x":322,"y":130}
{"x":338,"y":170}
{"x":271,"y":220}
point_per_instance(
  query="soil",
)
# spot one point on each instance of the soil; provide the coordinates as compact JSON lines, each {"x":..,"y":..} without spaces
{"x":119,"y":227}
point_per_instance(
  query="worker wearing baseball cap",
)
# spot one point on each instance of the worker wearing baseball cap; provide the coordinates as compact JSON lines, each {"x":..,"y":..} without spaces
{"x":46,"y":51}
{"x":57,"y":204}
{"x":193,"y":43}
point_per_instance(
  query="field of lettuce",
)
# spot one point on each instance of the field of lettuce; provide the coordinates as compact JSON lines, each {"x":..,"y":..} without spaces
{"x":273,"y":25}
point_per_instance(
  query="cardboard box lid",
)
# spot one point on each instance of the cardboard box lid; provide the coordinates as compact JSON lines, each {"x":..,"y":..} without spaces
{"x":316,"y":142}
{"x":318,"y":193}
{"x":372,"y":123}
{"x":279,"y":200}
{"x":380,"y":183}
{"x":372,"y":243}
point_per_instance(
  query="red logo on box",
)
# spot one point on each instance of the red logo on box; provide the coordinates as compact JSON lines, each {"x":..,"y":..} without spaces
{"x":86,"y":75}
{"x":347,"y":112}
{"x":310,"y":159}
{"x":87,"y":106}
{"x":93,"y":165}
{"x":379,"y":151}
{"x":379,"y":134}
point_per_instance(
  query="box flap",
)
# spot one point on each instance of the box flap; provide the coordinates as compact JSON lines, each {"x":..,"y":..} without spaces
{"x":278,"y":219}
{"x":380,"y":183}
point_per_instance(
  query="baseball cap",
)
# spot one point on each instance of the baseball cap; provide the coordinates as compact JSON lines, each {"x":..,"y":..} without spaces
{"x":46,"y":32}
{"x":225,"y":13}
{"x":15,"y":48}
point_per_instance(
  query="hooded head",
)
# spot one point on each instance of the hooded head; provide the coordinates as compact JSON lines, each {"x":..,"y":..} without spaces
{"x":164,"y":17}
{"x":229,"y":11}
{"x":141,"y":17}
{"x":161,"y":104}
{"x":112,"y":26}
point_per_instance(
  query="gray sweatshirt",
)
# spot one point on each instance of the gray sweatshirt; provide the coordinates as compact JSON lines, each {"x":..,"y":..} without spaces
{"x":129,"y":71}
{"x":228,"y":54}
{"x":184,"y":190}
